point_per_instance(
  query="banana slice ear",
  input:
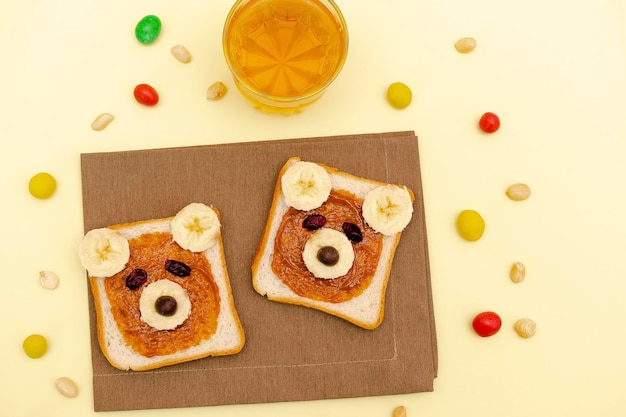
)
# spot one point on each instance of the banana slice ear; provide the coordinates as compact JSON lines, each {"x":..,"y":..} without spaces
{"x":196,"y":227}
{"x":104,"y":252}
{"x":388,"y":209}
{"x":305,"y":185}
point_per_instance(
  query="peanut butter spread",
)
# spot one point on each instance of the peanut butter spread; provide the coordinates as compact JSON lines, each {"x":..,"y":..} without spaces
{"x":150,"y":252}
{"x":287,"y":262}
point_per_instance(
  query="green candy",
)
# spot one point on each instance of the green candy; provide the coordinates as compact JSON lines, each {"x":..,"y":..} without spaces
{"x":148,"y":29}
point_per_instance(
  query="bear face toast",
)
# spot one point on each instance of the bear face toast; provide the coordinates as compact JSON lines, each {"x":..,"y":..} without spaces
{"x":329,"y":241}
{"x":161,"y":290}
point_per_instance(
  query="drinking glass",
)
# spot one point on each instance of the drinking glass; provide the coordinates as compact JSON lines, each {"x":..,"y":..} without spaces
{"x":283,"y":54}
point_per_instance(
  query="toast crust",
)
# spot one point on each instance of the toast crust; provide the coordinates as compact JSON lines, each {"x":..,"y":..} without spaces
{"x":227,"y":339}
{"x":365,"y":310}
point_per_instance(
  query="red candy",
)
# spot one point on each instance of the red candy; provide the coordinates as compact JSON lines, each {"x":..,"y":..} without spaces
{"x":146,"y":94}
{"x":489,"y":122}
{"x":486,"y":324}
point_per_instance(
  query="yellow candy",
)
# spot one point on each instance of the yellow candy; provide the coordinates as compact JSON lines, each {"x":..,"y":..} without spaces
{"x":470,"y":225}
{"x":399,"y":95}
{"x":35,"y":346}
{"x":42,"y":185}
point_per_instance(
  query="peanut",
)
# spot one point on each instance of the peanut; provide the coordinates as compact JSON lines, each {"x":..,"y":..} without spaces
{"x":181,"y":53}
{"x":465,"y":45}
{"x":518,"y":272}
{"x":216,"y":91}
{"x":66,"y":387}
{"x":399,"y":411}
{"x":48,"y":279}
{"x":518,"y":192}
{"x":102,"y":121}
{"x":525,"y":328}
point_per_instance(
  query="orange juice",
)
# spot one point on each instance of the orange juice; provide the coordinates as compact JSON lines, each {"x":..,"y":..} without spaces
{"x":284,"y":53}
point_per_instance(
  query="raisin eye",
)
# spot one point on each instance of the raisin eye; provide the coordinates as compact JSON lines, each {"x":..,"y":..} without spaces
{"x":177,"y":268}
{"x":136,"y":278}
{"x":314,"y":222}
{"x":352,"y":232}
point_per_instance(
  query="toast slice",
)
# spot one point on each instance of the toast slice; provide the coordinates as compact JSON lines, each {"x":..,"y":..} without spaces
{"x":358,"y":296}
{"x":128,"y":339}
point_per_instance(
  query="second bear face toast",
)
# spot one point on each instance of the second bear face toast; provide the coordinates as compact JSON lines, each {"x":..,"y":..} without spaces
{"x":329,"y":241}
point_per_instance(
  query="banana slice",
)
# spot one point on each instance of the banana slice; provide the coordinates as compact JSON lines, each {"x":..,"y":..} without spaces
{"x":388,"y":209}
{"x":196,"y":227}
{"x":103,"y":252}
{"x":305,"y":185}
{"x":328,"y":254}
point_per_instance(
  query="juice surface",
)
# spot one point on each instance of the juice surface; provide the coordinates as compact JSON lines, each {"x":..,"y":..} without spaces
{"x":285,"y":48}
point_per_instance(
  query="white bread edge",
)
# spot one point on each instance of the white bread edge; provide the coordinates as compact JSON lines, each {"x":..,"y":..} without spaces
{"x":367,"y":309}
{"x":228,"y":338}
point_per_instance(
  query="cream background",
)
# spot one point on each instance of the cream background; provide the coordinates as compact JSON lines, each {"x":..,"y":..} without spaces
{"x":552,"y":70}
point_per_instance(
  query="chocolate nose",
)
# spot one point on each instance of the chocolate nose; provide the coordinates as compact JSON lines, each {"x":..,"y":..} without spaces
{"x":328,"y":255}
{"x":166,"y":305}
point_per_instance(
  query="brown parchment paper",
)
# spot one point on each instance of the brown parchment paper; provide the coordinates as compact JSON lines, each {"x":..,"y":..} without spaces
{"x":292,"y":353}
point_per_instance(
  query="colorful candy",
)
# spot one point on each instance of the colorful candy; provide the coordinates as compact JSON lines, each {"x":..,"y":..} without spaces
{"x":146,"y":94}
{"x":42,"y":185}
{"x":148,"y":29}
{"x":35,"y":346}
{"x":489,"y":122}
{"x":487,"y":324}
{"x":399,"y":95}
{"x":470,"y":225}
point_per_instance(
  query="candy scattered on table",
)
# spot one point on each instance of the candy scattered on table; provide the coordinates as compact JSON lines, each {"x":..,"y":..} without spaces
{"x":42,"y":185}
{"x":399,"y":95}
{"x":35,"y":346}
{"x":470,"y":225}
{"x":489,"y":122}
{"x":486,"y":324}
{"x":146,"y":94}
{"x":148,"y":29}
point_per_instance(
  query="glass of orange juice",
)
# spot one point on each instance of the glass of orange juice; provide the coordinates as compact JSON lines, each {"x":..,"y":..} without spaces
{"x":283,"y":54}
